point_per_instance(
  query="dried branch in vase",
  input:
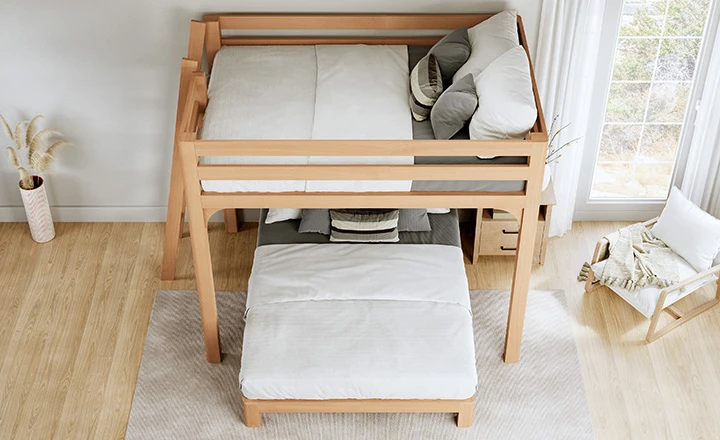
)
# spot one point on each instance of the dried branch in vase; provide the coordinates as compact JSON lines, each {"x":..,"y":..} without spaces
{"x":555,"y":151}
{"x":41,"y":148}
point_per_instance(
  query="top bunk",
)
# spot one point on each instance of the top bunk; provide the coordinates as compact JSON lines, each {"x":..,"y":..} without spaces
{"x":299,"y":113}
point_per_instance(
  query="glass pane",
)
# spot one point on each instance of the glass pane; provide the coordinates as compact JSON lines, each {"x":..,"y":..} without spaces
{"x":611,"y":180}
{"x":635,"y":59}
{"x":626,"y":102}
{"x":619,"y":143}
{"x":686,"y":17}
{"x":659,"y":143}
{"x":653,"y":70}
{"x":677,"y":59}
{"x":643,"y":17}
{"x":668,"y":102}
{"x":651,"y":180}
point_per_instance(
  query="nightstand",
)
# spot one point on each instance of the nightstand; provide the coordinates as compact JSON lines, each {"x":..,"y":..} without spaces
{"x":499,"y":236}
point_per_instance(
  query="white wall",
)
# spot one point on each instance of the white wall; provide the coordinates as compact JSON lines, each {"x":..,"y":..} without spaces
{"x":106,"y":75}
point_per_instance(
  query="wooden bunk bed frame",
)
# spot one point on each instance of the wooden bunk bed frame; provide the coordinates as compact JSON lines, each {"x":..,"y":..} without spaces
{"x":186,"y":176}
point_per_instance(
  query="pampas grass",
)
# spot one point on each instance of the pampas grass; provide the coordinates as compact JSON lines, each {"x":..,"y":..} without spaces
{"x":40,"y":151}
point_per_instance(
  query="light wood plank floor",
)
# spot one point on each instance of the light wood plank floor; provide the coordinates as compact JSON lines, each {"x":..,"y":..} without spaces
{"x":74,"y":312}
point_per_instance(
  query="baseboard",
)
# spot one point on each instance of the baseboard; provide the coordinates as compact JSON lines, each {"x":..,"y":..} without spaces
{"x":614,"y":215}
{"x":128,"y":214}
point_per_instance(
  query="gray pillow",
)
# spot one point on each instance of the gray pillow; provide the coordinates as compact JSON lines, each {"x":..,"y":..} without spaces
{"x":315,"y":220}
{"x":364,"y":225}
{"x":425,"y":86}
{"x":318,"y":221}
{"x":451,"y":53}
{"x":454,"y":108}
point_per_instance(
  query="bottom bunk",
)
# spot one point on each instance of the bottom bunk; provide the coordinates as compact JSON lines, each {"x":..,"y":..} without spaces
{"x":358,"y":327}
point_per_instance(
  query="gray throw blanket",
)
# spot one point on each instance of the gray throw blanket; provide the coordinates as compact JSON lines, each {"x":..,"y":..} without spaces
{"x":637,"y":260}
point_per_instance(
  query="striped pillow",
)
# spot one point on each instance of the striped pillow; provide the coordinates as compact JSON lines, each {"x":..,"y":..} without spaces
{"x":364,"y":225}
{"x":425,"y":86}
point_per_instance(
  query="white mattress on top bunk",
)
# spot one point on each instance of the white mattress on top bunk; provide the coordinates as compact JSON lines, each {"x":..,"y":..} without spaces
{"x":392,"y":322}
{"x":308,"y":92}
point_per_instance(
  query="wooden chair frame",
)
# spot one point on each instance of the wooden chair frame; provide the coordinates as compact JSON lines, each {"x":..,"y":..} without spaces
{"x":187,"y":173}
{"x":602,"y":252}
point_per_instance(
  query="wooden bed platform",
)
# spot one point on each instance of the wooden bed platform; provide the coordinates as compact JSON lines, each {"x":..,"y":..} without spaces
{"x":187,"y":174}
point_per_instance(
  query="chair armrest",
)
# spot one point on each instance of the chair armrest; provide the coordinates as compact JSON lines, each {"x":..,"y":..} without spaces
{"x":602,"y":251}
{"x":715,"y":270}
{"x":650,"y":222}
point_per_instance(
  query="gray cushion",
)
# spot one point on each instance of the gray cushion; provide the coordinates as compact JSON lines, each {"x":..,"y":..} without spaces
{"x":451,"y":53}
{"x":318,"y":221}
{"x":454,"y":108}
{"x":425,"y":86}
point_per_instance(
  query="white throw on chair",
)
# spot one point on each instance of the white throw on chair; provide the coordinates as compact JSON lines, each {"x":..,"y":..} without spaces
{"x":694,"y":238}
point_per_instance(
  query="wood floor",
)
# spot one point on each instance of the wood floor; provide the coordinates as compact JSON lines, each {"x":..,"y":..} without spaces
{"x":74,"y":312}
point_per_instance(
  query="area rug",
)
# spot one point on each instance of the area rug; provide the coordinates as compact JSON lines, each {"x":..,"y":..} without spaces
{"x":180,"y":396}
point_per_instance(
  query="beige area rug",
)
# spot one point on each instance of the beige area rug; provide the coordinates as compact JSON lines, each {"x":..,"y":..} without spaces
{"x":180,"y":396}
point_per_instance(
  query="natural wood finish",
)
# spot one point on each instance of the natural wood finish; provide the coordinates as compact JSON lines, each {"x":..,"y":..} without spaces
{"x":524,"y":256}
{"x":195,"y":46}
{"x":253,"y":408}
{"x":364,"y":172}
{"x":362,"y":147}
{"x":345,"y":21}
{"x":499,"y":237}
{"x":213,"y":41}
{"x":75,"y":312}
{"x":540,"y":128}
{"x":417,"y":199}
{"x":201,"y":253}
{"x":681,"y":318}
{"x":176,"y":197}
{"x":269,"y":41}
{"x":230,"y":217}
{"x":525,"y":205}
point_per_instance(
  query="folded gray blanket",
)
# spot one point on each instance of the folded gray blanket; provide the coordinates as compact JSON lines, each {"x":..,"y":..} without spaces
{"x":637,"y":260}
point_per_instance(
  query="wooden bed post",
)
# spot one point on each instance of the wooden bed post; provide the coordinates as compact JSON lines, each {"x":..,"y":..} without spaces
{"x":201,"y":253}
{"x":523,"y":259}
{"x":213,"y":43}
{"x":176,"y":199}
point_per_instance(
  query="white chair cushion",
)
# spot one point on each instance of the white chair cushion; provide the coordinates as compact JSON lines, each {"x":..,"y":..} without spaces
{"x":645,"y":300}
{"x":688,"y":231}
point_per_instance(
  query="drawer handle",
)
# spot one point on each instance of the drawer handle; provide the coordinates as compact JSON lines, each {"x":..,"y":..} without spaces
{"x":503,"y":248}
{"x":505,"y":231}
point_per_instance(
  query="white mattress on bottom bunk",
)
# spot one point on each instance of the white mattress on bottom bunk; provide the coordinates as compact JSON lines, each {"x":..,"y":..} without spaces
{"x":308,"y":92}
{"x":358,"y":322}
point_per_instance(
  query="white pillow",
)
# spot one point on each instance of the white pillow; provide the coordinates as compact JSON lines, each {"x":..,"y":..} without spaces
{"x":489,"y":39}
{"x":281,"y":214}
{"x":438,"y":210}
{"x":689,"y":231}
{"x":506,"y":102}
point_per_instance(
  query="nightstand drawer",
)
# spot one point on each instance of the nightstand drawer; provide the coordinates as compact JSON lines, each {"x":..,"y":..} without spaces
{"x":500,"y":237}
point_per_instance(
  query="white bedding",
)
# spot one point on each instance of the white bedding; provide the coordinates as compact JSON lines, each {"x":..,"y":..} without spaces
{"x":358,"y":322}
{"x":260,"y":92}
{"x":308,"y":92}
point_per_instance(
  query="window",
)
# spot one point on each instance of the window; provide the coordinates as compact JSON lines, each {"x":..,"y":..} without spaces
{"x":646,"y":103}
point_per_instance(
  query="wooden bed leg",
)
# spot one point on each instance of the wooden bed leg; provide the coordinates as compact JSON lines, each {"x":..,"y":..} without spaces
{"x":201,"y":253}
{"x":175,"y":220}
{"x":231,"y":220}
{"x":253,"y":416}
{"x":465,"y":416}
{"x":520,"y":285}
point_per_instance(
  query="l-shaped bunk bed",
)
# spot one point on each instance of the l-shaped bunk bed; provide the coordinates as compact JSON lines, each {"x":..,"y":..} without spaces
{"x":323,"y":122}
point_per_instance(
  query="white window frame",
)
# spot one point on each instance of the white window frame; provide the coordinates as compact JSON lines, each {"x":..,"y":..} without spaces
{"x":632,"y":209}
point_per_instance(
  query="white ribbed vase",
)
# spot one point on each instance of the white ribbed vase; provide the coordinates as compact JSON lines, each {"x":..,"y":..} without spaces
{"x":37,"y":210}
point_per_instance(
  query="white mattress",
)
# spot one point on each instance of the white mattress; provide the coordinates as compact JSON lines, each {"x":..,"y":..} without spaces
{"x":358,"y":322}
{"x":308,"y":92}
{"x":645,"y":300}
